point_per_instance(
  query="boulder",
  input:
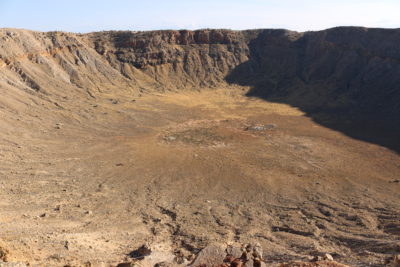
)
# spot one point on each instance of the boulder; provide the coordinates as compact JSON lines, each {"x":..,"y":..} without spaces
{"x":212,"y":255}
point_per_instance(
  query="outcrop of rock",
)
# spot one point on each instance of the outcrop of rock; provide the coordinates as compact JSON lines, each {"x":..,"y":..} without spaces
{"x":250,"y":256}
{"x":173,"y":59}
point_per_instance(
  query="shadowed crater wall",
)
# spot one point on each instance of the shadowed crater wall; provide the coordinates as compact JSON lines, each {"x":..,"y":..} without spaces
{"x":344,"y":78}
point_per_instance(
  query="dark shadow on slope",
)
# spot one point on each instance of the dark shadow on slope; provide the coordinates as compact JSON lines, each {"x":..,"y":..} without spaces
{"x":336,"y":79}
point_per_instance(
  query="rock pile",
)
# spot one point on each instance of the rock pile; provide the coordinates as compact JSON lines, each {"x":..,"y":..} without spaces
{"x":251,"y":255}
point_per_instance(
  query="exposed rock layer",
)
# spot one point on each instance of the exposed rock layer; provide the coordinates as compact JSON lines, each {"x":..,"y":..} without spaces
{"x":347,"y":70}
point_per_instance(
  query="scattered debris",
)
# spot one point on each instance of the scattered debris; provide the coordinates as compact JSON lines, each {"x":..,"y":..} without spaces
{"x":312,"y":264}
{"x":247,"y":256}
{"x":13,"y":264}
{"x":251,"y":255}
{"x":260,"y":127}
{"x":169,"y":138}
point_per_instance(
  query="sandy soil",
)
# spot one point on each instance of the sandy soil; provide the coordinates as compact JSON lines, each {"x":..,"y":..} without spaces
{"x":86,"y":181}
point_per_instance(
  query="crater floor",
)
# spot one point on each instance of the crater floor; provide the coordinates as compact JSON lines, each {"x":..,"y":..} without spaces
{"x":90,"y":181}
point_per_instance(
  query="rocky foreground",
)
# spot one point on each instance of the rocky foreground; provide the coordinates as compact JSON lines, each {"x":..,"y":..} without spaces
{"x":216,"y":256}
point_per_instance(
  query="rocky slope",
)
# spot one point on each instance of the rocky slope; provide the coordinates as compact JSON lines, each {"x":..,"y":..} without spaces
{"x":349,"y":74}
{"x":352,"y":70}
{"x":347,"y":70}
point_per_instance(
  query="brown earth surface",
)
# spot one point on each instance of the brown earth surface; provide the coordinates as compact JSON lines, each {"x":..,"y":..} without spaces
{"x":100,"y":155}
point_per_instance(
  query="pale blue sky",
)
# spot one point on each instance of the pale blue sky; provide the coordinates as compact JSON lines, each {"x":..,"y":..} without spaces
{"x":96,"y":15}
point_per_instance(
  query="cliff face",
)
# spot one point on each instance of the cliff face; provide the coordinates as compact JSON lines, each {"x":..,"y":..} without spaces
{"x":174,"y":59}
{"x":347,"y":70}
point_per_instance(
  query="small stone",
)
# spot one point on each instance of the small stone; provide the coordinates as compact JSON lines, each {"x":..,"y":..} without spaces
{"x":270,"y":126}
{"x":317,"y":258}
{"x":66,"y":245}
{"x":190,"y":257}
{"x":141,"y":252}
{"x":259,"y":263}
{"x":89,"y":212}
{"x":3,"y":254}
{"x":237,"y":263}
{"x":162,"y":264}
{"x":127,"y":264}
{"x":102,"y":188}
{"x":257,"y":251}
{"x":56,"y":257}
{"x":328,"y":257}
{"x":258,"y":128}
{"x":170,"y":138}
{"x":248,"y":247}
